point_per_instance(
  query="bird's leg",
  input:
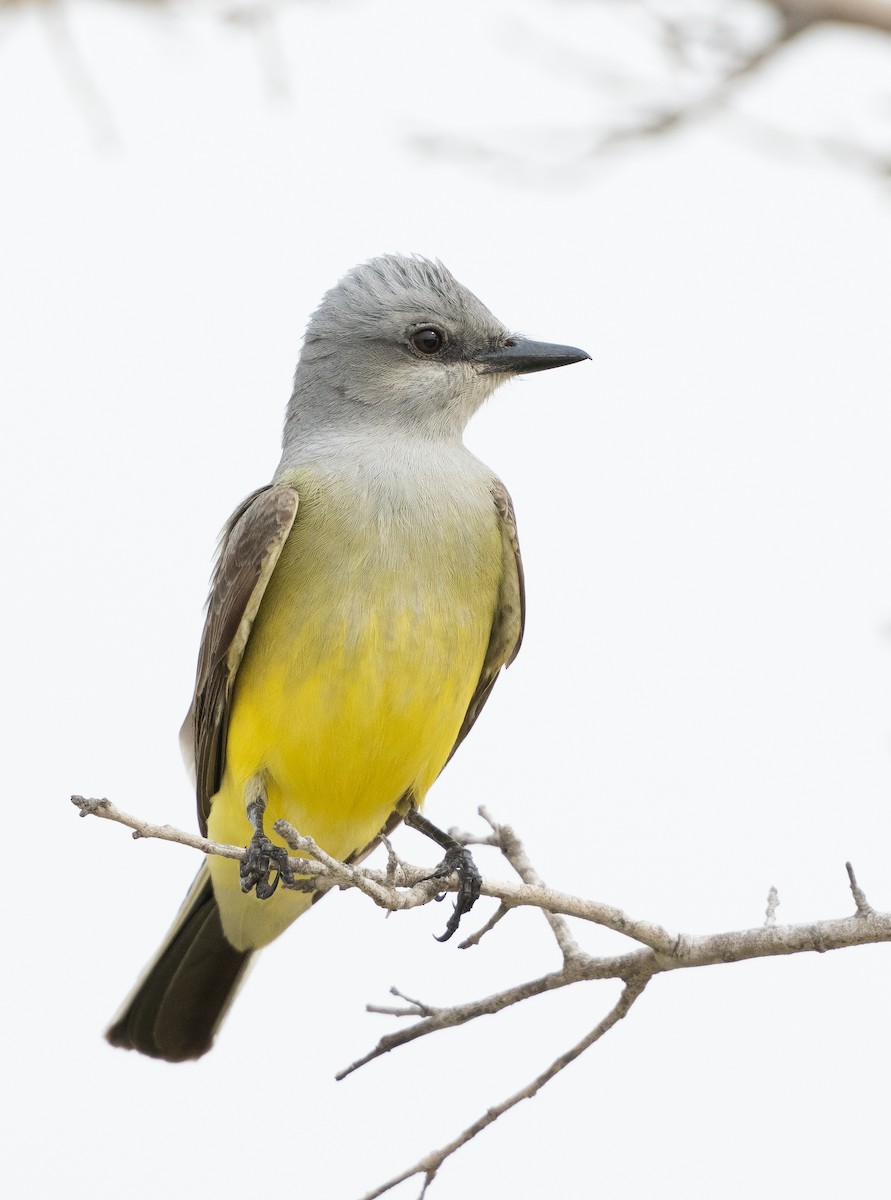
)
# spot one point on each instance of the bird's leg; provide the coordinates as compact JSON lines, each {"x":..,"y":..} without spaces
{"x":457,"y":859}
{"x":263,"y":856}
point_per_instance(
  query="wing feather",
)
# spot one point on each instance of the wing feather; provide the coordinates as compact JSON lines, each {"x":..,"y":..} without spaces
{"x":510,"y":613}
{"x":249,"y":550}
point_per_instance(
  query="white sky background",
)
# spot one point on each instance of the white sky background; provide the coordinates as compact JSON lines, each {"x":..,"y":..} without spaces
{"x":701,"y":708}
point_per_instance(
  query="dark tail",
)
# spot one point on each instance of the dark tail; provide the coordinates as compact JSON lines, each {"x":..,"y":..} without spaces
{"x":177,"y":1006}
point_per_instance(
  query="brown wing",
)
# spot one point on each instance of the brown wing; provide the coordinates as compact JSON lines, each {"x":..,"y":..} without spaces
{"x":249,"y":550}
{"x":504,"y":640}
{"x":510,"y":613}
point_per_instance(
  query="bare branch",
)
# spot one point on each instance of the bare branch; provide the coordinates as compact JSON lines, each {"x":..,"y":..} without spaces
{"x":145,"y":829}
{"x":688,"y":952}
{"x":460,"y":1014}
{"x":412,"y":887}
{"x":430,"y":1163}
{"x":404,"y":886}
{"x":662,"y":951}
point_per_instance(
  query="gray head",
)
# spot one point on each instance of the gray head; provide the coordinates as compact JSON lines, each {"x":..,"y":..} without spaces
{"x":398,"y":343}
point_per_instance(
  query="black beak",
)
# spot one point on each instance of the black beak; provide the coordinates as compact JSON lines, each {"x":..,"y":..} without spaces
{"x":519,"y":356}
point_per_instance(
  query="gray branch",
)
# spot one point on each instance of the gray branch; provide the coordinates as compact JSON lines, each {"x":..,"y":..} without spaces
{"x":658,"y":951}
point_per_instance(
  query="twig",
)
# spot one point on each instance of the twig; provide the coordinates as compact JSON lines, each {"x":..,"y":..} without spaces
{"x":773,"y":903}
{"x":430,"y":1163}
{"x":515,"y":852}
{"x":864,"y":908}
{"x":404,"y":886}
{"x":77,"y":76}
{"x":689,"y":952}
{"x":666,"y":951}
{"x":416,"y":1008}
{"x":393,"y":860}
{"x":145,"y":829}
{"x":460,"y":1014}
{"x":475,"y":938}
{"x":413,"y":886}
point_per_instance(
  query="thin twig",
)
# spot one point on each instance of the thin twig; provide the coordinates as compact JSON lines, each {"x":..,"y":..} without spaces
{"x":475,"y":938}
{"x":77,"y":76}
{"x":864,"y":908}
{"x":689,"y":952}
{"x":773,"y":903}
{"x":430,"y":1163}
{"x":416,"y":1008}
{"x":460,"y":1014}
{"x":145,"y":829}
{"x":515,"y":852}
{"x":393,"y":860}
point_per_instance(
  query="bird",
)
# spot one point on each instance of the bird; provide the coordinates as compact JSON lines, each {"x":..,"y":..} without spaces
{"x":362,"y":605}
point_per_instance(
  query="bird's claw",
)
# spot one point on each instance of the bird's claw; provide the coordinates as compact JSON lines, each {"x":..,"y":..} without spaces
{"x":264,"y":859}
{"x":458,"y":860}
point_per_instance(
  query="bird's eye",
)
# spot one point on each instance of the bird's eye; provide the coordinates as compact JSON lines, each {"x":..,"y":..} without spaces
{"x":428,"y":340}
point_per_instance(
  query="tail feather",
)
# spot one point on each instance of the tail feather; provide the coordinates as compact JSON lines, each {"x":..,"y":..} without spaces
{"x":177,"y":1006}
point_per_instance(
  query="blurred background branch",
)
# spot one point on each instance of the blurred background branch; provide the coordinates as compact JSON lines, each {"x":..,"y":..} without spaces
{"x":648,"y":67}
{"x":693,"y":59}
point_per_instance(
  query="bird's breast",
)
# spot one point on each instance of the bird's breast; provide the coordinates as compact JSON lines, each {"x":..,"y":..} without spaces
{"x":366,"y":650}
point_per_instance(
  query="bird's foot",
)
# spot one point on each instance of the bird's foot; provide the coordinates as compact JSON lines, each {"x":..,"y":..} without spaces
{"x":458,"y":860}
{"x":265,"y":863}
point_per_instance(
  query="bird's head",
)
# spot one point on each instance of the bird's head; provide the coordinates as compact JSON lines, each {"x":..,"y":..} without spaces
{"x":399,"y":343}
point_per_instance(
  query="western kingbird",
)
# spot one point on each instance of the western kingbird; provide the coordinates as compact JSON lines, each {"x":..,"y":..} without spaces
{"x":361,"y":609}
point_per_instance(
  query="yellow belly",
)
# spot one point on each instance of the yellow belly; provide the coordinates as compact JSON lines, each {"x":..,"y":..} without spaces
{"x":356,"y":679}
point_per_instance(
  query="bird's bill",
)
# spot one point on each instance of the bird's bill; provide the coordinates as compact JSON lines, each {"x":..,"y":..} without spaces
{"x":520,"y":356}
